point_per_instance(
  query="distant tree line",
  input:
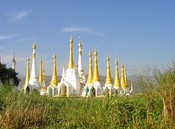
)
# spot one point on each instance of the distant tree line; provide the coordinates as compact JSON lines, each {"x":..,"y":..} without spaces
{"x":8,"y":76}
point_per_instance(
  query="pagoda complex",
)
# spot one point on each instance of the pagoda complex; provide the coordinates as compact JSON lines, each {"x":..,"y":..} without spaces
{"x":73,"y":81}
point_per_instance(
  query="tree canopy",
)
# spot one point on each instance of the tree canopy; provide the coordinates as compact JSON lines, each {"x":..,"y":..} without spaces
{"x":8,"y":75}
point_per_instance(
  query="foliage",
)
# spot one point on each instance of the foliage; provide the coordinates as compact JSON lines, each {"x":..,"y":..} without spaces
{"x":8,"y":75}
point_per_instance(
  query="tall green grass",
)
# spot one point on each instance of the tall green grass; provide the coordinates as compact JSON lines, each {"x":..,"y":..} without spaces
{"x":160,"y":88}
{"x":153,"y":109}
{"x":21,"y":111}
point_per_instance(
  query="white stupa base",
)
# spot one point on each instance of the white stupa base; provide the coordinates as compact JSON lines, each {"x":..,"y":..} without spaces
{"x":108,"y":89}
{"x":86,"y":90}
{"x":52,"y":91}
{"x":43,"y":92}
{"x":70,"y":84}
{"x":31,"y":87}
{"x":82,"y":77}
{"x":24,"y":88}
{"x":34,"y":83}
{"x":118,"y":90}
{"x":95,"y":89}
{"x":123,"y":91}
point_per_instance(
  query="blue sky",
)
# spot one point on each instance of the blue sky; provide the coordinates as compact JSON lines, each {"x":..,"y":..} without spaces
{"x":137,"y":33}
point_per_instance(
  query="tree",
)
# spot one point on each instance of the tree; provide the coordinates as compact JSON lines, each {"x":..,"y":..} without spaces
{"x":8,"y":75}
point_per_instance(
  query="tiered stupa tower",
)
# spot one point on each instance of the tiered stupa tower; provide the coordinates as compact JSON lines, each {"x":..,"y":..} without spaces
{"x":41,"y":73}
{"x":90,"y":74}
{"x":71,"y":83}
{"x":71,"y":61}
{"x":80,"y":65}
{"x":96,"y":77}
{"x":123,"y":79}
{"x":54,"y":80}
{"x":34,"y":80}
{"x":126,"y":80}
{"x":89,"y":82}
{"x":108,"y":87}
{"x":116,"y":79}
{"x":43,"y":90}
{"x":108,"y":72}
{"x":27,"y":74}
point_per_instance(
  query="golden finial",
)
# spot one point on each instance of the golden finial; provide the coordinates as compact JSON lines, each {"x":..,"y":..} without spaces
{"x":79,"y":46}
{"x":71,"y":39}
{"x":96,"y":74}
{"x":79,"y":43}
{"x":116,"y":80}
{"x":54,"y":56}
{"x":123,"y":84}
{"x":54,"y":80}
{"x":107,"y":59}
{"x":95,"y":53}
{"x":34,"y":45}
{"x":71,"y":62}
{"x":90,"y":74}
{"x":41,"y":73}
{"x":90,"y":54}
{"x":108,"y":72}
{"x":27,"y":72}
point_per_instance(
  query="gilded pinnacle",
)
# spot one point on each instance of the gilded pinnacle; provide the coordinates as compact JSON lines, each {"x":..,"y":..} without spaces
{"x":34,"y":46}
{"x":90,"y":54}
{"x":116,"y":79}
{"x":108,"y":72}
{"x":54,"y":80}
{"x":90,"y":74}
{"x":96,"y":77}
{"x":71,"y":39}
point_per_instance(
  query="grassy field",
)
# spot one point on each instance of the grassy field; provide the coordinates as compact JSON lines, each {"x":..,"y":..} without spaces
{"x":153,"y":109}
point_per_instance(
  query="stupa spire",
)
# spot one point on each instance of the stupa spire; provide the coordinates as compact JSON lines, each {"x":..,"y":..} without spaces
{"x":126,"y":81}
{"x":90,"y":74}
{"x":116,"y":79}
{"x":123,"y":84}
{"x":54,"y":80}
{"x":41,"y":77}
{"x":34,"y":81}
{"x":96,"y":73}
{"x":14,"y":62}
{"x":108,"y":72}
{"x":80,"y":64}
{"x":71,"y":62}
{"x":27,"y":72}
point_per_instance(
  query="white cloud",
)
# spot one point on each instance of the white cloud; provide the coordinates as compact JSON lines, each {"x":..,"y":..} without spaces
{"x":6,"y":37}
{"x":20,"y":15}
{"x":81,"y":29}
